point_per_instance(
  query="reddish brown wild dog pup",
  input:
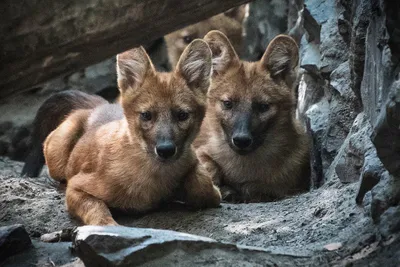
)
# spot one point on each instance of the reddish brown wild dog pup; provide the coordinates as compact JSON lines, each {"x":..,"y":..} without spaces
{"x":229,"y":22}
{"x":137,"y":154}
{"x":250,"y":142}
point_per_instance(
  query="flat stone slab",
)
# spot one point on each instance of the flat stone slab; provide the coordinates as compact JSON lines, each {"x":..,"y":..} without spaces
{"x":124,"y":246}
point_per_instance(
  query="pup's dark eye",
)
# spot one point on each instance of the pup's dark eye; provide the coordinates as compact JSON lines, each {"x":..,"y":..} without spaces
{"x":183,"y":115}
{"x":188,"y":39}
{"x":145,"y":116}
{"x":264,"y":107}
{"x":227,"y":104}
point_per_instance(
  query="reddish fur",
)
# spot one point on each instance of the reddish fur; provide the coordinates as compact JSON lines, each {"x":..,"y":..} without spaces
{"x":113,"y":163}
{"x":280,"y":165}
{"x":50,"y":114}
{"x":230,"y":23}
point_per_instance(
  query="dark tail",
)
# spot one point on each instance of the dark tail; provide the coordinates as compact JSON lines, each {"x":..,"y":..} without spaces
{"x":51,"y":114}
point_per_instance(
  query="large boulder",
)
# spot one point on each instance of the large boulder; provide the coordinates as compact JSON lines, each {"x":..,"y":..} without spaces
{"x":44,"y":39}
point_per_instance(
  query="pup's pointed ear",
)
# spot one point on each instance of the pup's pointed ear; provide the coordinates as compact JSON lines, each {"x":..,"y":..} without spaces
{"x":237,"y":13}
{"x":194,"y":66}
{"x":132,"y":67}
{"x":281,"y":57}
{"x":223,"y":54}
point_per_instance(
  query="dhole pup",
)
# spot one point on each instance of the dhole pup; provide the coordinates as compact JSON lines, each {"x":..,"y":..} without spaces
{"x":250,"y":142}
{"x":137,"y":154}
{"x":47,"y":118}
{"x":229,"y":22}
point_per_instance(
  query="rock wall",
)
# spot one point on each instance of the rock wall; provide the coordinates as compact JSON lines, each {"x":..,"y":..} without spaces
{"x":349,"y":101}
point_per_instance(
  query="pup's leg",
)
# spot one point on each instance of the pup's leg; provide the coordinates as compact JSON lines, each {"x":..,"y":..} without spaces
{"x":210,"y":166}
{"x":86,"y":207}
{"x":228,"y":193}
{"x":199,"y":190}
{"x":60,"y":142}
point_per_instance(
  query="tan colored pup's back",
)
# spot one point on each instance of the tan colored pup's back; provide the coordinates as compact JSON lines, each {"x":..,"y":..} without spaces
{"x":250,"y":141}
{"x":137,"y":154}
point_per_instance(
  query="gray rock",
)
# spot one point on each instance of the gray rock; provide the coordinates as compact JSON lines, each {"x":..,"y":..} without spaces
{"x":366,"y":202}
{"x":45,"y":255}
{"x":13,"y":239}
{"x":386,"y":135}
{"x":344,"y":26}
{"x":311,"y":58}
{"x":14,"y":140}
{"x":361,"y":19}
{"x":340,"y":78}
{"x":4,"y":147}
{"x":390,"y":221}
{"x":384,"y":195}
{"x":310,"y":92}
{"x":348,"y":168}
{"x":341,"y":117}
{"x":347,"y":164}
{"x":266,"y":20}
{"x":317,"y":121}
{"x":94,"y":78}
{"x":371,"y":174}
{"x":333,"y":48}
{"x":380,"y":88}
{"x":123,"y":246}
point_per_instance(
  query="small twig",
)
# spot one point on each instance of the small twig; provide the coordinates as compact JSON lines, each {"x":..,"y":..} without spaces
{"x":64,"y":235}
{"x":52,"y":262}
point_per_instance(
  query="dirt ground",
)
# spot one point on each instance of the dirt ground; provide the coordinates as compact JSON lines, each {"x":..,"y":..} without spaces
{"x":302,"y":225}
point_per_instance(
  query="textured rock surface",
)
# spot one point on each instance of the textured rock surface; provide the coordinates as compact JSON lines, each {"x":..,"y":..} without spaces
{"x":43,"y":39}
{"x":123,"y":246}
{"x":387,"y":132}
{"x":262,"y":25}
{"x":13,"y":239}
{"x":354,"y":71}
{"x":266,"y":20}
{"x":45,"y":255}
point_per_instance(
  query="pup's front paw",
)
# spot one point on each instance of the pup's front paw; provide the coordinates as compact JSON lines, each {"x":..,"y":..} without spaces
{"x":215,"y":198}
{"x":230,"y":195}
{"x":210,"y":198}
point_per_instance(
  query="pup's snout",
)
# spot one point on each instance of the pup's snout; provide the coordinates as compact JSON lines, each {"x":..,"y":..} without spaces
{"x":242,"y":141}
{"x":166,"y":149}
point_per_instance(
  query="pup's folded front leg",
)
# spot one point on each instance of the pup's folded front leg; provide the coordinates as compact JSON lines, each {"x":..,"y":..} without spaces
{"x":209,"y":165}
{"x":89,"y":209}
{"x":230,"y":195}
{"x":199,"y":190}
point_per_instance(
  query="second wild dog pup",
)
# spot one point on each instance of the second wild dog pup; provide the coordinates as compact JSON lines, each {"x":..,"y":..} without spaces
{"x":250,"y":141}
{"x":141,"y":159}
{"x":229,"y":22}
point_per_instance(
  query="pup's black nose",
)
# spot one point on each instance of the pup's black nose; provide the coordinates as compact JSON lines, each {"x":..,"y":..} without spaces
{"x":166,"y":149}
{"x":242,"y":141}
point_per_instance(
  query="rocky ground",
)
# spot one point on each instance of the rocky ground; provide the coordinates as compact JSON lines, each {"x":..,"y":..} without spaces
{"x":306,"y":226}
